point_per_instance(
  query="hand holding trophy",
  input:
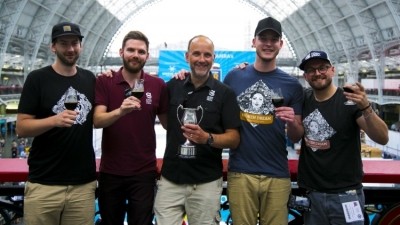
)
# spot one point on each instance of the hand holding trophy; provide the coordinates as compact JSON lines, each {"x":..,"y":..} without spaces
{"x":188,"y":150}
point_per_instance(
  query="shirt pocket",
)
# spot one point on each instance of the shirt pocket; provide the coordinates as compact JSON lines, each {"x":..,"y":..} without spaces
{"x":211,"y":121}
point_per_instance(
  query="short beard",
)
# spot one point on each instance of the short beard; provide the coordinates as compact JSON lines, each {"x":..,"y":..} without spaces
{"x":323,"y":87}
{"x":132,"y":69}
{"x":65,"y":61}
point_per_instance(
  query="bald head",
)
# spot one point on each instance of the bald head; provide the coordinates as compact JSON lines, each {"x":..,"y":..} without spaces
{"x":200,"y":56}
{"x":200,"y":39}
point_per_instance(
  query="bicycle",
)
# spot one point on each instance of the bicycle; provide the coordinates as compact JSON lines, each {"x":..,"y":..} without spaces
{"x":11,"y":210}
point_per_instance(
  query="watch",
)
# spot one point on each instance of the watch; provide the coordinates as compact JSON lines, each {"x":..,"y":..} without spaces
{"x":210,"y":139}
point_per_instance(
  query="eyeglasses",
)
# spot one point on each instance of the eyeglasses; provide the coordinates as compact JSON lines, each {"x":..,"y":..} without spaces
{"x":322,"y":69}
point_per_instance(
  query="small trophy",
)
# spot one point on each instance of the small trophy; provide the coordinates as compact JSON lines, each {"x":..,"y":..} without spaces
{"x":188,"y":150}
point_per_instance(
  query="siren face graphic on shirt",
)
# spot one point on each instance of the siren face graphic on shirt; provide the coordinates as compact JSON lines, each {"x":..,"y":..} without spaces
{"x":84,"y":106}
{"x":256,"y":105}
{"x":317,"y":131}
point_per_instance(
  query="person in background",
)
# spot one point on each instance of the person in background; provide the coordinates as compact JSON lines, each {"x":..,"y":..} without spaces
{"x":2,"y":145}
{"x":62,"y":169}
{"x":21,"y":145}
{"x":191,"y":181}
{"x":128,"y":168}
{"x":14,"y":149}
{"x":330,"y":165}
{"x":259,"y":182}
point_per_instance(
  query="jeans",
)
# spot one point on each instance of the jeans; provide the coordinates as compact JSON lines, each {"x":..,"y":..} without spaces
{"x":328,"y":208}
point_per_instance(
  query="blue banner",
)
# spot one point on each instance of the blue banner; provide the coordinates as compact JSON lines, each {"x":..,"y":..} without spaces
{"x":171,"y":62}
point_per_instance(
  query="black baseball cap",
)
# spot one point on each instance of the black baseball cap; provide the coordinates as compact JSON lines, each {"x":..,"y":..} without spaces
{"x":65,"y":28}
{"x":314,"y":55}
{"x":268,"y":23}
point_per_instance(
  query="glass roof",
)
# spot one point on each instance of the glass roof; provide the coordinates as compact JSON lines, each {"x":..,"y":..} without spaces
{"x":279,"y":9}
{"x":177,"y":18}
{"x":123,"y":9}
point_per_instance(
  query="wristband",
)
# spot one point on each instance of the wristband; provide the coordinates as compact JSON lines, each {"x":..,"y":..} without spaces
{"x":367,"y":113}
{"x":369,"y":104}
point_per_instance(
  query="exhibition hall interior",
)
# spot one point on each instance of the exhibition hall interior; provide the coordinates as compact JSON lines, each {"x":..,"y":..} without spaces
{"x":362,"y":38}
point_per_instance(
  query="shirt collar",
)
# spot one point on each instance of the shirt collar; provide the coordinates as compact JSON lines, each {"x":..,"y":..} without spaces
{"x":119,"y":79}
{"x":209,"y":83}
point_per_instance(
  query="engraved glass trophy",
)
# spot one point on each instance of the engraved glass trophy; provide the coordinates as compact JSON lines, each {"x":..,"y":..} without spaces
{"x":188,"y":150}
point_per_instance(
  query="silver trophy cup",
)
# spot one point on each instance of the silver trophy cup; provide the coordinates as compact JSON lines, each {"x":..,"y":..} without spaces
{"x":188,"y":150}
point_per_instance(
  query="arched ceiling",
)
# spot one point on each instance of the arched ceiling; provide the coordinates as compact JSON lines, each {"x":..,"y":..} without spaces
{"x":352,"y":31}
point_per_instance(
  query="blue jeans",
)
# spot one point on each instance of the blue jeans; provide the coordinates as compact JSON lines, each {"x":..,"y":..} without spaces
{"x":328,"y":208}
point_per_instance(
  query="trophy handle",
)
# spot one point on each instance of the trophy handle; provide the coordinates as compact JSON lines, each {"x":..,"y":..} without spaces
{"x":202,"y":112}
{"x":177,"y":114}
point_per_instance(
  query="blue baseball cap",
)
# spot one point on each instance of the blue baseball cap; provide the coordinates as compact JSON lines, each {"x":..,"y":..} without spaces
{"x":314,"y":55}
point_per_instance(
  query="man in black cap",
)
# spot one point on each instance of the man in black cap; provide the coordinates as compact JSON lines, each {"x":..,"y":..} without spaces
{"x":330,"y":166}
{"x":62,"y":170}
{"x":259,"y":182}
{"x":66,"y":29}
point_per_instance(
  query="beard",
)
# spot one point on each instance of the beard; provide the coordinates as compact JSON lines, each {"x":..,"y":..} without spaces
{"x":133,"y":69}
{"x":316,"y":83}
{"x":67,"y":62}
{"x":200,"y":70}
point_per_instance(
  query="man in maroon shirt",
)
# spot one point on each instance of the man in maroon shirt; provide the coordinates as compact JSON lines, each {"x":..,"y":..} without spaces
{"x":128,"y":163}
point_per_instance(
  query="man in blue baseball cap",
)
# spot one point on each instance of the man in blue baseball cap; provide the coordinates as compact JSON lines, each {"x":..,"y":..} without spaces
{"x":314,"y":55}
{"x":330,"y":165}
